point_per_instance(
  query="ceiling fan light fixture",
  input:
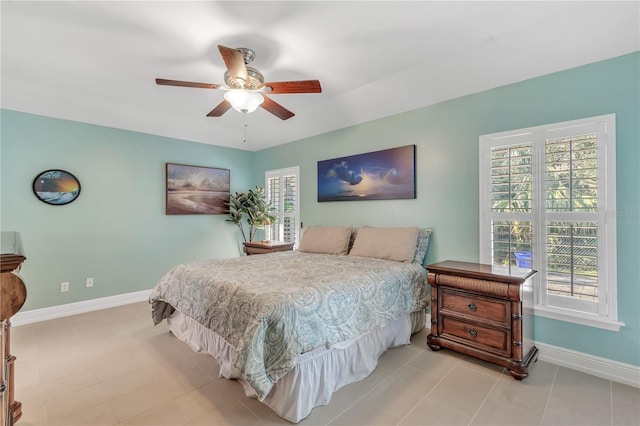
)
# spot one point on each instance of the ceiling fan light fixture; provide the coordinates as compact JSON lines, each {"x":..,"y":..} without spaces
{"x":244,"y":101}
{"x":244,"y":85}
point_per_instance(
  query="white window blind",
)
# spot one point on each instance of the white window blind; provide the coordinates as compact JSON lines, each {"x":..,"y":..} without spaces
{"x":571,"y":219}
{"x":544,"y":197}
{"x":283,"y":193}
{"x":511,"y":207}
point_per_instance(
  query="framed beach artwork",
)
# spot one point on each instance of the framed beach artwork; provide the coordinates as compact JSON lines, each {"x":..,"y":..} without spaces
{"x":56,"y":187}
{"x":197,"y":190}
{"x":381,"y":175}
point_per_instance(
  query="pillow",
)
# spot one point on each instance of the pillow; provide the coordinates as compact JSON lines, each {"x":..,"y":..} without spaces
{"x":325,"y":239}
{"x":422,"y":245}
{"x":397,"y":244}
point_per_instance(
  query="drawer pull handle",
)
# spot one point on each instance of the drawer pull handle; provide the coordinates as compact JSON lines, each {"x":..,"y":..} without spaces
{"x":473,"y":307}
{"x":473,"y":332}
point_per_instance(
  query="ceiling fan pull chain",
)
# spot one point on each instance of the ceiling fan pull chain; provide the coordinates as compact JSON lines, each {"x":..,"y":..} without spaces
{"x":244,"y":136}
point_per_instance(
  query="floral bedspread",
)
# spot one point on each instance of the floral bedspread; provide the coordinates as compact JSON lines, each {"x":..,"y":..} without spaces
{"x":273,"y":307}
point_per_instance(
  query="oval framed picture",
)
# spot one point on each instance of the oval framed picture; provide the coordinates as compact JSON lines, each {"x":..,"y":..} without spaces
{"x":56,"y":187}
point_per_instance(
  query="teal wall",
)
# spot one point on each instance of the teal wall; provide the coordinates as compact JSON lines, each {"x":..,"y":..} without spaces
{"x":446,"y":138}
{"x":116,"y":230}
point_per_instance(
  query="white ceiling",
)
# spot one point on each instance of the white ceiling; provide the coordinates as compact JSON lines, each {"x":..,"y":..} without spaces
{"x":96,"y":62}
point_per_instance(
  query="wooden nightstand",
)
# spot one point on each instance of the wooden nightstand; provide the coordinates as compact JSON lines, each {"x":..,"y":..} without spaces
{"x":483,"y":311}
{"x":261,"y":247}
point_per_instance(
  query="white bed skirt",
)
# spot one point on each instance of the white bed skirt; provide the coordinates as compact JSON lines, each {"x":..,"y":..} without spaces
{"x":317,"y":374}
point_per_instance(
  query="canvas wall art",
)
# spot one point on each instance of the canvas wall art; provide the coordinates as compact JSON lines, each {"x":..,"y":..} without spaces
{"x":380,"y":175}
{"x":56,"y":187}
{"x":197,"y":190}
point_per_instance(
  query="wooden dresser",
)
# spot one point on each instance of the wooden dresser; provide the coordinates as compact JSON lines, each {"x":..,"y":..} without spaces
{"x":483,"y":311}
{"x":13,"y":294}
{"x":261,"y":247}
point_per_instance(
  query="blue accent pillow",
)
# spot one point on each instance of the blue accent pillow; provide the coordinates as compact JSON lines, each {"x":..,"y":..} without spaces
{"x":424,"y":235}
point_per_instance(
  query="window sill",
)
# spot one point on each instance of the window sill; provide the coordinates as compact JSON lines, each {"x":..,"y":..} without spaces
{"x":575,"y":317}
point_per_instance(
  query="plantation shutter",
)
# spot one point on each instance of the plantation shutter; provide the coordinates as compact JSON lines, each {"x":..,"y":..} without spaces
{"x":511,"y":205}
{"x":282,"y":191}
{"x":546,"y":197}
{"x":571,"y":200}
{"x":507,"y":199}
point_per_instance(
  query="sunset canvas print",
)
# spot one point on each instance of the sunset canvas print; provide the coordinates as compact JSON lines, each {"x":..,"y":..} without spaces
{"x":379,"y":175}
{"x":56,"y":187}
{"x":197,"y":190}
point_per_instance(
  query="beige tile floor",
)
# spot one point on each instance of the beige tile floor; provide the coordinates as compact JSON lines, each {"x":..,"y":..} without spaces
{"x":113,"y":367}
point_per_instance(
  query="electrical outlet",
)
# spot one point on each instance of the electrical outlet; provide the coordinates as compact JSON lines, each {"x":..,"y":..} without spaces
{"x":64,"y":287}
{"x":89,"y":282}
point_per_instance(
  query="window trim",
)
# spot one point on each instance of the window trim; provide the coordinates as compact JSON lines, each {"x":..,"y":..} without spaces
{"x":287,"y":171}
{"x":606,"y":171}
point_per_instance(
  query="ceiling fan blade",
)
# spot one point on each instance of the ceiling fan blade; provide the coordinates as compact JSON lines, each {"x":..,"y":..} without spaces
{"x":164,"y":82}
{"x":220,"y":109}
{"x":302,"y":86}
{"x":276,"y":109}
{"x":234,"y":60}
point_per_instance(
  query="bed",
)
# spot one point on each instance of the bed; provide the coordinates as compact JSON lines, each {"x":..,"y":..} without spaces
{"x":293,"y":327}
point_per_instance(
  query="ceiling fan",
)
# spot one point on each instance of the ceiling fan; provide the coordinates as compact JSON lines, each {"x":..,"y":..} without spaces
{"x":245,"y":88}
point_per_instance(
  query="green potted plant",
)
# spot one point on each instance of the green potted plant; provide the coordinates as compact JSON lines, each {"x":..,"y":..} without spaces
{"x":251,"y":207}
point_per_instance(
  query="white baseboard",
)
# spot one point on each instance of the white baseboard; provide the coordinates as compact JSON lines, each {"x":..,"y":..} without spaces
{"x":600,"y":367}
{"x":37,"y":315}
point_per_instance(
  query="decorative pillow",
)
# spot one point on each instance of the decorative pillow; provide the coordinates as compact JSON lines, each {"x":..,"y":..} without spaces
{"x":397,"y":244}
{"x":422,"y":245}
{"x":325,"y":239}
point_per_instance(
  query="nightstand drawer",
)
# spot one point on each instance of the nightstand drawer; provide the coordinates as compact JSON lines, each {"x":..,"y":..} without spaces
{"x":479,"y":336}
{"x":475,"y":306}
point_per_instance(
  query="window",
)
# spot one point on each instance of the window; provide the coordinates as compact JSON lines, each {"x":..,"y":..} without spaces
{"x":545,"y":195}
{"x":282,"y":190}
